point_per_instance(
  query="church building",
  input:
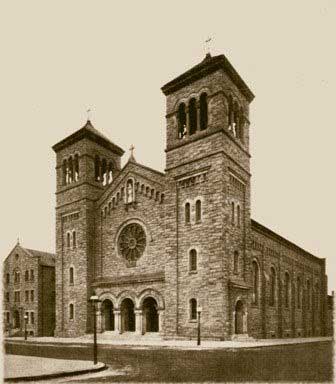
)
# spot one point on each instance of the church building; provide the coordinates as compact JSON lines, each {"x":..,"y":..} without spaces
{"x":158,"y":248}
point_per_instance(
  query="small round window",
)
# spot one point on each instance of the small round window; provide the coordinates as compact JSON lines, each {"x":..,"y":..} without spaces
{"x":132,"y":243}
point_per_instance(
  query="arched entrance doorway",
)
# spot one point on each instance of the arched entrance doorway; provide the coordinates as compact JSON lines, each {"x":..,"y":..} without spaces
{"x":239,"y":317}
{"x":150,"y":315}
{"x":17,"y":319}
{"x":127,"y":316}
{"x":108,"y":315}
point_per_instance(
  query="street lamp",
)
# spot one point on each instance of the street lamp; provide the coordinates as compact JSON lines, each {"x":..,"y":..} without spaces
{"x":199,"y":310}
{"x":94,"y":301}
{"x":25,"y":326}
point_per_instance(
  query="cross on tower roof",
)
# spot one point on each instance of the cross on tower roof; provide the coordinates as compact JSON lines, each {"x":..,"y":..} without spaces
{"x":131,"y":158}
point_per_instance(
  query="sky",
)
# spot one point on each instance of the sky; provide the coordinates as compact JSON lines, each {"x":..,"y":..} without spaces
{"x":59,"y":58}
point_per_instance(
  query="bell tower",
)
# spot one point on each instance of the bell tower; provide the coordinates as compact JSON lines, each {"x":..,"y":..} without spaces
{"x":208,"y":203}
{"x":86,"y":163}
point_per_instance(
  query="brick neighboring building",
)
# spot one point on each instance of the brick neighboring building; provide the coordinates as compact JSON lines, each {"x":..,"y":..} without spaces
{"x":29,"y":289}
{"x":156,"y":246}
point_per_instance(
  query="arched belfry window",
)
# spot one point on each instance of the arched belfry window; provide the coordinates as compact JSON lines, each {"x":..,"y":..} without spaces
{"x":182,"y":121}
{"x":287,"y":289}
{"x":104,"y":172}
{"x":192,"y":116}
{"x":255,"y":276}
{"x":76,"y":168}
{"x":129,"y":191}
{"x":193,"y":260}
{"x":198,"y":211}
{"x":241,"y":124}
{"x":97,"y":168}
{"x":235,"y":127}
{"x":110,"y":173}
{"x":231,"y":114}
{"x":187,"y":213}
{"x":71,"y":170}
{"x":64,"y":172}
{"x":203,"y":111}
{"x":272,"y":287}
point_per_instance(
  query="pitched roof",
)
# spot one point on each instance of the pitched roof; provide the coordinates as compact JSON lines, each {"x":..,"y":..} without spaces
{"x":45,"y":258}
{"x":208,"y":65}
{"x":90,"y":132}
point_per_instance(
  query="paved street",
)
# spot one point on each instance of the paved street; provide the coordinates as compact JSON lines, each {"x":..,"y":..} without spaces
{"x":300,"y":362}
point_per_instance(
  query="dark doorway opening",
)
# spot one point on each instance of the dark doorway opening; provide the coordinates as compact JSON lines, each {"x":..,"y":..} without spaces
{"x":108,"y":315}
{"x":151,"y":316}
{"x":127,"y":316}
{"x":239,"y":318}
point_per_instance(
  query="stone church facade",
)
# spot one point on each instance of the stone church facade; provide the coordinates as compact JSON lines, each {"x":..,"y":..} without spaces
{"x":156,"y":247}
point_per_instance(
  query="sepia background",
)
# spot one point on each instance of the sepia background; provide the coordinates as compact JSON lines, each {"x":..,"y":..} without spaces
{"x":59,"y":58}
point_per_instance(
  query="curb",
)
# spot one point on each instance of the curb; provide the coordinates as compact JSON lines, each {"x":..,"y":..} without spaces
{"x":101,"y":367}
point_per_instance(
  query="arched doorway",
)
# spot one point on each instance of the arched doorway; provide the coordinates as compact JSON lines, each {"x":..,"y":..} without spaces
{"x":127,"y":316}
{"x":239,"y":317}
{"x":108,"y":315}
{"x":150,"y":315}
{"x":17,"y":319}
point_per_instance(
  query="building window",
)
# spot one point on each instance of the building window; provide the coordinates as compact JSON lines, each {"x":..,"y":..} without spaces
{"x":7,"y":278}
{"x":299,"y":292}
{"x":182,"y":121}
{"x":110,"y":173}
{"x":187,"y":213}
{"x":32,"y":318}
{"x":26,"y":295}
{"x":64,"y":172}
{"x":287,"y":289}
{"x":104,"y":172}
{"x":193,"y":260}
{"x":32,"y":278}
{"x":7,"y":297}
{"x":232,"y":213}
{"x":130,"y":191}
{"x":17,"y":296}
{"x":255,"y":271}
{"x":71,"y":275}
{"x":71,"y":311}
{"x":97,"y":168}
{"x":198,"y":211}
{"x":193,"y":309}
{"x":16,"y":277}
{"x":7,"y":318}
{"x":26,"y":317}
{"x":203,"y":111}
{"x":68,"y":240}
{"x":76,"y":166}
{"x":192,"y":116}
{"x":272,"y":287}
{"x":238,"y":216}
{"x":26,"y":275}
{"x":235,"y":262}
{"x":32,"y":295}
{"x":74,"y":239}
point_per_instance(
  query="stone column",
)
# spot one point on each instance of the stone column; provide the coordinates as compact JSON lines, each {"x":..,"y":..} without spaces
{"x":233,"y":323}
{"x":117,"y":320}
{"x":138,"y":321}
{"x":161,"y":321}
{"x":99,"y":318}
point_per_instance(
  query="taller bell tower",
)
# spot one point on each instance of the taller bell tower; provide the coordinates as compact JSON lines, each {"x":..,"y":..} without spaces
{"x":86,"y":163}
{"x":208,"y":197}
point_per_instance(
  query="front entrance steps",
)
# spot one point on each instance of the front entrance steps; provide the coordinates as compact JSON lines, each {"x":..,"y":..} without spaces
{"x":242,"y":337}
{"x":114,"y":335}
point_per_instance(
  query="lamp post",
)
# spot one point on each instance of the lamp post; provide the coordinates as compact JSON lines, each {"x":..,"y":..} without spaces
{"x":94,"y":300}
{"x":199,"y":310}
{"x":25,"y":326}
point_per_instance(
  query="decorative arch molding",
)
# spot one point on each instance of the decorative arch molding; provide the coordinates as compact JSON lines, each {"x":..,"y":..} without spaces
{"x":108,"y":296}
{"x":126,"y":295}
{"x":149,"y":292}
{"x":195,"y":94}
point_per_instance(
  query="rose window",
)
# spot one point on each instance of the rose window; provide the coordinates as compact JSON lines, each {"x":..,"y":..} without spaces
{"x":132,"y":242}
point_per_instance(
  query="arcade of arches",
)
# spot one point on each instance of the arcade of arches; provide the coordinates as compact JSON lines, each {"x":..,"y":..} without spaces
{"x":127,"y":317}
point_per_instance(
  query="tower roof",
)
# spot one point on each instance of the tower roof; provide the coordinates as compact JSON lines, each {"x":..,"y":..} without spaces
{"x":208,"y":65}
{"x":90,"y":132}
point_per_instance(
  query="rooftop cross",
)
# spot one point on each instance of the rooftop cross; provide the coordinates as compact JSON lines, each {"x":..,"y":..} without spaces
{"x":207,"y":42}
{"x":132,"y":147}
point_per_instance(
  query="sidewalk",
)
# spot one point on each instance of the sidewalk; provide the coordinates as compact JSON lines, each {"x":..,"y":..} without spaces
{"x":19,"y":368}
{"x":134,"y":341}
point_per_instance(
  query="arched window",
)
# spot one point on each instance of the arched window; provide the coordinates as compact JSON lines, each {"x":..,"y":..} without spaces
{"x":203,"y":111}
{"x":64,"y":172}
{"x":235,"y":262}
{"x":7,"y":278}
{"x":104,"y":172}
{"x":71,"y":171}
{"x":238,"y":216}
{"x":235,"y":127}
{"x":193,"y":260}
{"x":68,"y":240}
{"x":17,"y":276}
{"x":74,"y":239}
{"x":272,"y":287}
{"x":97,"y":168}
{"x":299,"y":292}
{"x":255,"y":271}
{"x":162,"y":198}
{"x":193,"y":309}
{"x":76,"y":166}
{"x":198,"y":211}
{"x":241,"y":124}
{"x":71,"y":311}
{"x":192,"y":116}
{"x":230,"y":114}
{"x":71,"y":276}
{"x":110,"y":173}
{"x":187,"y":213}
{"x":26,"y":275}
{"x":287,"y":289}
{"x":129,"y":191}
{"x":232,"y":213}
{"x":182,"y":121}
{"x":308,"y":294}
